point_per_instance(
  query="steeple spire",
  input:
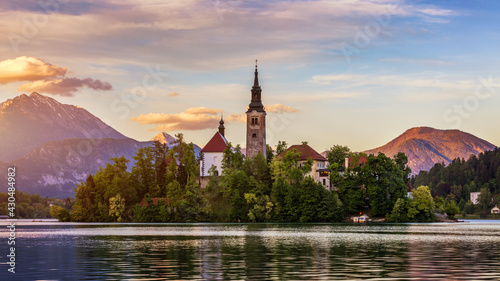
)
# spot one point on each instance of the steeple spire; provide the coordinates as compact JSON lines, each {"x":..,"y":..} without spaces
{"x":256,"y":79}
{"x":256,"y":101}
{"x":221,"y":126}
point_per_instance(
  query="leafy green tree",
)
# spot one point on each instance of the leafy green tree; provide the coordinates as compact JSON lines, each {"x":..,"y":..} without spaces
{"x":485,"y":202}
{"x":260,"y":207}
{"x":158,"y":155}
{"x":282,"y":146}
{"x":452,"y":210}
{"x":399,"y":211}
{"x":60,"y":213}
{"x":337,"y":154}
{"x":143,"y":172}
{"x":421,"y":206}
{"x":385,"y":183}
{"x":117,"y":208}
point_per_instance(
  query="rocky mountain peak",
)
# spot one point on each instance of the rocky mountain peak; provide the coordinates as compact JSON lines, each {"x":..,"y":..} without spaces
{"x":425,"y":146}
{"x":163,"y":138}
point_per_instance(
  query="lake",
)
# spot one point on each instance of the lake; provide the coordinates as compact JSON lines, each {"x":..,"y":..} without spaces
{"x":209,"y":251}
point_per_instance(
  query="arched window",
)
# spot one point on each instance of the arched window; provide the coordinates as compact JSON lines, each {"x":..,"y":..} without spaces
{"x":254,"y":135}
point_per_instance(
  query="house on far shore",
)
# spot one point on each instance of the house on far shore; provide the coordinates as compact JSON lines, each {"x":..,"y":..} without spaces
{"x":495,"y":210}
{"x":212,"y":152}
{"x":474,"y":197}
{"x":320,"y":169}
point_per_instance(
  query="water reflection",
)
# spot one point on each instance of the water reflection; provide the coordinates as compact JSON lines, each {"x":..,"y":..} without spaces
{"x":57,"y":251}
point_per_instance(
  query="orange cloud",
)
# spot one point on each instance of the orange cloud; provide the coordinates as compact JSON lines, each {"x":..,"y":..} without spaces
{"x":242,"y":118}
{"x":173,"y":94}
{"x":279,"y":108}
{"x":28,"y":69}
{"x":194,"y":118}
{"x":44,"y":77}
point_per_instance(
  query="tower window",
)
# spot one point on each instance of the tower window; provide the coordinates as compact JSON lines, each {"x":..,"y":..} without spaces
{"x":255,"y":121}
{"x":254,"y":135}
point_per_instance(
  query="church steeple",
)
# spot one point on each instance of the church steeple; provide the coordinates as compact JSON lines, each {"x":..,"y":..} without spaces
{"x":221,"y":126}
{"x":256,"y":101}
{"x":256,"y":121}
{"x":256,"y":79}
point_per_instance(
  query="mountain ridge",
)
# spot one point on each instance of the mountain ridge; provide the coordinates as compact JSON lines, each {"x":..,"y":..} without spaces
{"x":425,"y":146}
{"x":27,"y":122}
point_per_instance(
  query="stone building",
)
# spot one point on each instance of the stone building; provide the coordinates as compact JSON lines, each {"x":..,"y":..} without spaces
{"x":256,"y":121}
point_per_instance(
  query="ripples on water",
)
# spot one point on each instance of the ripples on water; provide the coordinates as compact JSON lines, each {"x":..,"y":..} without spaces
{"x":69,"y":251}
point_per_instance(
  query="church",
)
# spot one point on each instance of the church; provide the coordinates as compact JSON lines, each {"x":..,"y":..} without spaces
{"x":212,"y":152}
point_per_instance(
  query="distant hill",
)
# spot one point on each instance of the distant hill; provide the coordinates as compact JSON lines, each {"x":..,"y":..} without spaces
{"x":26,"y":122}
{"x":55,"y":168}
{"x":425,"y":146}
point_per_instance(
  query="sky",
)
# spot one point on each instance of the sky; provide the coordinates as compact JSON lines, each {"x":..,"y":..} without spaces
{"x":350,"y":72}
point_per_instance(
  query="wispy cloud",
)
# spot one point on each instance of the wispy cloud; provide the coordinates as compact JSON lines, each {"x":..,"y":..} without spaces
{"x":64,"y":87}
{"x":280,"y":108}
{"x":173,"y":94}
{"x":206,"y":39}
{"x":435,"y":80}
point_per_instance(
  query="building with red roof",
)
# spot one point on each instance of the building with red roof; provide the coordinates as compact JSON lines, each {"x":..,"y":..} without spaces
{"x":320,"y":169}
{"x":212,"y":152}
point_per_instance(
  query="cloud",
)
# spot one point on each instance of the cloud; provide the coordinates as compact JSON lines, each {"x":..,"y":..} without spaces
{"x":201,"y":35}
{"x":173,"y":94}
{"x":28,"y":69}
{"x":45,"y":77}
{"x":280,"y":108}
{"x":194,"y":118}
{"x":242,"y":118}
{"x":64,"y":87}
{"x":431,"y":80}
{"x":203,"y":110}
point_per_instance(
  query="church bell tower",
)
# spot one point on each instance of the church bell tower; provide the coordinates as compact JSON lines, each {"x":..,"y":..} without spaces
{"x":256,"y":121}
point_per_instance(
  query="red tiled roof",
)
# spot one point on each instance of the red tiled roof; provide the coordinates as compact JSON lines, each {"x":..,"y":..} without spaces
{"x":217,"y":144}
{"x":362,"y":160}
{"x":155,"y":201}
{"x":305,"y":151}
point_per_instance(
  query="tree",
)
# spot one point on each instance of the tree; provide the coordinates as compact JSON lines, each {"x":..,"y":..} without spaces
{"x":421,"y":206}
{"x":282,"y":146}
{"x":60,"y":213}
{"x":337,"y":154}
{"x":484,"y":201}
{"x":385,"y":182}
{"x":399,"y":211}
{"x":144,"y":171}
{"x":117,"y":208}
{"x":158,"y":154}
{"x":451,"y":210}
{"x":260,"y":207}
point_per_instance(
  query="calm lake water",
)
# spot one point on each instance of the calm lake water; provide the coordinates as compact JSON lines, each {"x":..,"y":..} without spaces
{"x":71,"y":251}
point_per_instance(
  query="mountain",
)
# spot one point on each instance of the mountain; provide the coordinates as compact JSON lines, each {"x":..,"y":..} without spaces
{"x":425,"y":146}
{"x":169,"y":140}
{"x":164,"y":138}
{"x":55,"y":168}
{"x":26,"y":122}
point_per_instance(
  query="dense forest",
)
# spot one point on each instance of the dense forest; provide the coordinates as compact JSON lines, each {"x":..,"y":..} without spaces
{"x":454,"y":183}
{"x":29,"y":206}
{"x":259,"y":189}
{"x":270,"y":189}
